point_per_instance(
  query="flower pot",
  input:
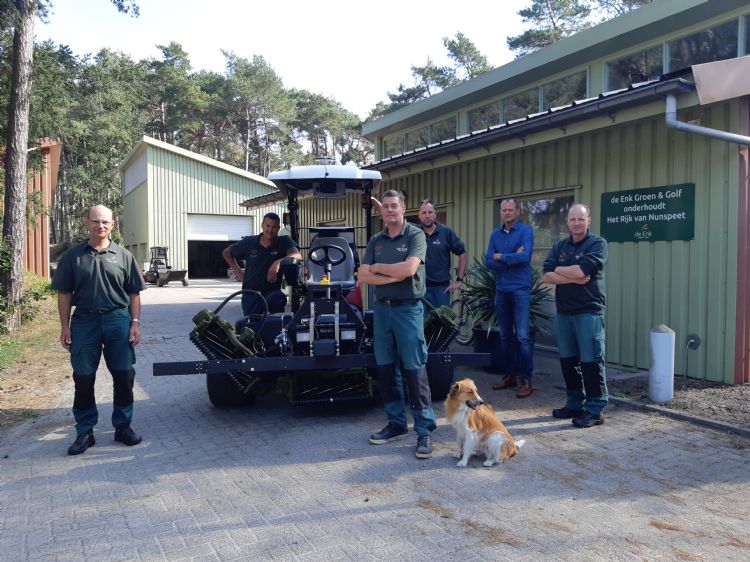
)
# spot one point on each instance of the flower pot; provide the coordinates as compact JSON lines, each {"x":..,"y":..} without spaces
{"x":440,"y":377}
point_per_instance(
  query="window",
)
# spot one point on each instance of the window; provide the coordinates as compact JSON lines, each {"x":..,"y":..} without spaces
{"x":416,"y":139}
{"x":716,"y":43}
{"x":747,"y":36}
{"x":638,"y":67}
{"x":521,"y":105}
{"x":443,"y":130}
{"x":485,"y":116}
{"x":564,"y":91}
{"x":393,"y":144}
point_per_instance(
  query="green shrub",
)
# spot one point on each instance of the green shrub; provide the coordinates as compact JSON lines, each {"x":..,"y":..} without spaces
{"x":35,"y":289}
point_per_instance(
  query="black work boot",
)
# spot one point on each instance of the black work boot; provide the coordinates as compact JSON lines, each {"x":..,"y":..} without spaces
{"x":82,"y":443}
{"x":127,"y":436}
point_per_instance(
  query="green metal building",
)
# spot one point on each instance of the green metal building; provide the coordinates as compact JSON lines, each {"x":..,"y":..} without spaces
{"x":189,"y":203}
{"x":589,"y":120}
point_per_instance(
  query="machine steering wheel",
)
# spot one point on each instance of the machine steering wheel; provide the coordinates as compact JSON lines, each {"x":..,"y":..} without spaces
{"x":325,"y":260}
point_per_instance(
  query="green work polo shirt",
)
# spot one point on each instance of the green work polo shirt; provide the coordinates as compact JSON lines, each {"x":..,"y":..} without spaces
{"x":384,"y":249}
{"x":98,"y":280}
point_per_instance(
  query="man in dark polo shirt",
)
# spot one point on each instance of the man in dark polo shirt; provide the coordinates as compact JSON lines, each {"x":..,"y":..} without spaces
{"x":394,"y":264}
{"x":262,"y":254}
{"x":442,"y":241}
{"x":102,"y":281}
{"x":575,"y":265}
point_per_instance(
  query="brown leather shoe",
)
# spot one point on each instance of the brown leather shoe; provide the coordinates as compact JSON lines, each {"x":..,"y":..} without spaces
{"x":525,"y":390}
{"x":508,"y":381}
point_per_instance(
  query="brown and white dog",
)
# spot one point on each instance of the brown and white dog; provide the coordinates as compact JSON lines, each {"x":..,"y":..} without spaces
{"x":478,"y":431}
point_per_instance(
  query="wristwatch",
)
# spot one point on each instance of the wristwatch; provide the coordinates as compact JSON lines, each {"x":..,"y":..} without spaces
{"x":459,"y":279}
{"x":135,"y":321}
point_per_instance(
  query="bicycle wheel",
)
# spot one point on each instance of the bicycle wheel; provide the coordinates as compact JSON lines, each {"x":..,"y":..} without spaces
{"x":465,"y":321}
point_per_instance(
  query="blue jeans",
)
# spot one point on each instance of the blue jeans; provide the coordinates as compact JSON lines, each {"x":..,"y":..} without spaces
{"x":580,"y":337}
{"x":512,"y":311}
{"x":436,"y":295}
{"x":399,"y":341}
{"x":252,"y":303}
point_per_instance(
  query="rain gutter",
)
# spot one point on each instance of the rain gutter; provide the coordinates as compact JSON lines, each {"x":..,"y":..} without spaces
{"x":673,"y":123}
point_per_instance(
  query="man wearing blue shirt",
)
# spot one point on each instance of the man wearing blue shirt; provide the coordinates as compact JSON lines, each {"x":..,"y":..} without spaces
{"x":509,"y":256}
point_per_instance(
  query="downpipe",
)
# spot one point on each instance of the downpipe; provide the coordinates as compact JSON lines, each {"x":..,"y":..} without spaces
{"x":673,"y":123}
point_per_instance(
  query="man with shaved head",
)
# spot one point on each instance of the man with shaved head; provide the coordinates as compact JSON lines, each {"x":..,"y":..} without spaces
{"x":99,"y":281}
{"x":575,"y":266}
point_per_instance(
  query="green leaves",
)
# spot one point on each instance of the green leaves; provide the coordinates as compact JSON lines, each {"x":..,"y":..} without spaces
{"x":552,"y":20}
{"x":478,"y":292}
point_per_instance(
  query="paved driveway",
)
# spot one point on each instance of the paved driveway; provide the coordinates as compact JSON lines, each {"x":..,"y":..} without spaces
{"x":276,"y":483}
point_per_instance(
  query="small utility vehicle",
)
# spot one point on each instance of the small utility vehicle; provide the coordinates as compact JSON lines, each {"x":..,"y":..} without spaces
{"x":160,"y":272}
{"x":320,"y":350}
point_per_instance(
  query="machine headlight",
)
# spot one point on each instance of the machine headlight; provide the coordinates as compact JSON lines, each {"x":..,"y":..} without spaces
{"x":348,"y":335}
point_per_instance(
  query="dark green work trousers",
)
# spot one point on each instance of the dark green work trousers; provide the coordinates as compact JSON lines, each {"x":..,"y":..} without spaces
{"x":93,"y":333}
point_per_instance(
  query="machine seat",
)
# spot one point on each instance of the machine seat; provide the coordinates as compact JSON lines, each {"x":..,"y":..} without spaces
{"x":342,"y":273}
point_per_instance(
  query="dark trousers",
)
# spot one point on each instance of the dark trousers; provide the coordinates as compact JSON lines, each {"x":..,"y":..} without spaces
{"x":93,"y":334}
{"x":513,"y":320}
{"x":401,"y":351}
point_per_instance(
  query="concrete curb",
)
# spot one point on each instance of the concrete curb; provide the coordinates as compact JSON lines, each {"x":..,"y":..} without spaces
{"x":705,"y":422}
{"x":676,"y":414}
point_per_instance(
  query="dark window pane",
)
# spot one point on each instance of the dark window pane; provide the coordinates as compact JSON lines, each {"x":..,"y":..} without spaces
{"x":393,"y":144}
{"x":564,"y":91}
{"x":716,"y":43}
{"x":521,"y":105}
{"x":485,"y":116}
{"x":416,"y":139}
{"x":747,"y":35}
{"x":443,"y":130}
{"x":639,"y":67}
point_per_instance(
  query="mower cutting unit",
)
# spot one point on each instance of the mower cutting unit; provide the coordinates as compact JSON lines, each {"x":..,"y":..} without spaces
{"x":320,"y":350}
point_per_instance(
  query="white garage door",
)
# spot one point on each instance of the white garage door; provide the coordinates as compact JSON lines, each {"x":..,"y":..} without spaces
{"x":221,"y":228}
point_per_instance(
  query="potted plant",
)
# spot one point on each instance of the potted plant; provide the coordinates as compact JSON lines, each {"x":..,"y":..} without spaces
{"x":478,"y":293}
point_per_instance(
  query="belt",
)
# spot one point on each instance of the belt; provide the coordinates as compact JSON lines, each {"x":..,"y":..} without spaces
{"x":398,"y":302}
{"x":97,"y":310}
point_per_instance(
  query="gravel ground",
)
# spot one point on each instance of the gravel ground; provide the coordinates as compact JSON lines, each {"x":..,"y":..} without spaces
{"x":716,"y":401}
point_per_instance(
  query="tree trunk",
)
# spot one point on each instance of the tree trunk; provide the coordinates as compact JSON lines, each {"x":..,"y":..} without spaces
{"x":247,"y":141}
{"x":14,"y":218}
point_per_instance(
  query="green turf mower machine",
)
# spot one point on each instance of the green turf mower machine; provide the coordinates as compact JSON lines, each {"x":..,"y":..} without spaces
{"x":320,"y":349}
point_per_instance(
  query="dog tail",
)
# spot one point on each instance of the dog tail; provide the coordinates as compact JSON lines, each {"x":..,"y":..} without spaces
{"x":519,"y":443}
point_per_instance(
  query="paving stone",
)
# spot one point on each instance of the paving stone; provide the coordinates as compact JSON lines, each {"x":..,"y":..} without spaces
{"x":272,"y":482}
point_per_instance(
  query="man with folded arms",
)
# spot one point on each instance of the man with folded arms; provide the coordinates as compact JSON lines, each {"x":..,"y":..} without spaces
{"x":394,"y":264}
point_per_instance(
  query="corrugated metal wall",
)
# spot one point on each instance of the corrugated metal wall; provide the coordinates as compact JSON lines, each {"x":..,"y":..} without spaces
{"x":690,"y":285}
{"x":178,"y":186}
{"x":41,"y":187}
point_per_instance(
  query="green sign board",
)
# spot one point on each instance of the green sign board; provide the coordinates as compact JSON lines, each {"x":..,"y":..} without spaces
{"x":649,"y":215}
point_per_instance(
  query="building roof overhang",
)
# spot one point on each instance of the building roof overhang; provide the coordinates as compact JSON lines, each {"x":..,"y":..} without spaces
{"x":605,"y":104}
{"x":651,"y":21}
{"x":148,"y":141}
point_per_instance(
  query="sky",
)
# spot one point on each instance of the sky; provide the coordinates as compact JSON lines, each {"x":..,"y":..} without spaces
{"x":353,"y":53}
